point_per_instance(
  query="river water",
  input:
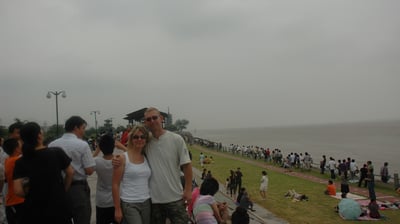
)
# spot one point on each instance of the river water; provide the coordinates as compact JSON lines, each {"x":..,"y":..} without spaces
{"x":375,"y":141}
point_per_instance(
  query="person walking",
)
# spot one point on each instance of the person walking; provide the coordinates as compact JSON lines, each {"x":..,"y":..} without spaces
{"x":38,"y":178}
{"x":232,"y":184}
{"x":322,"y":164}
{"x":264,"y":185}
{"x":371,"y":184}
{"x":385,"y":172}
{"x":332,"y":167}
{"x":130,"y":181}
{"x":363,"y":175}
{"x":83,"y":163}
{"x":238,"y":176}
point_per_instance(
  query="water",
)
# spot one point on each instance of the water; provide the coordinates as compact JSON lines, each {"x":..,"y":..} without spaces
{"x":375,"y":141}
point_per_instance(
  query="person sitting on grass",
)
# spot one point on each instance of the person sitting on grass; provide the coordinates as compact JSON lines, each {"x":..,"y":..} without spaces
{"x":330,"y":188}
{"x":373,"y":208}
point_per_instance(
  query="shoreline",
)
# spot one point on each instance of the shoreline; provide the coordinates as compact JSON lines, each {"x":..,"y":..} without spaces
{"x":378,"y":142}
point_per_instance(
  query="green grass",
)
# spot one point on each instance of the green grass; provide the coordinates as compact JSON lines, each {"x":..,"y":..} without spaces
{"x":319,"y":208}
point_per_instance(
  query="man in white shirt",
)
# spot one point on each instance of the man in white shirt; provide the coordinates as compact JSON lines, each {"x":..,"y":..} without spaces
{"x":83,"y":163}
{"x":167,"y":155}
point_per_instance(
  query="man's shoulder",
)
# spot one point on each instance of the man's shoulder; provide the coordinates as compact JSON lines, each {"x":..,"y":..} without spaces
{"x":173,"y":135}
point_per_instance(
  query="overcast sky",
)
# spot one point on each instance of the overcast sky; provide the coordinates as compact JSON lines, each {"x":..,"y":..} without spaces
{"x":216,"y":63}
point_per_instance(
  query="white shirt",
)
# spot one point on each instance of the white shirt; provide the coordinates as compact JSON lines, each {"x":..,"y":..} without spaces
{"x":134,"y":186}
{"x":353,"y":166}
{"x":332,"y":164}
{"x":79,"y":151}
{"x":165,"y":156}
{"x":104,"y":171}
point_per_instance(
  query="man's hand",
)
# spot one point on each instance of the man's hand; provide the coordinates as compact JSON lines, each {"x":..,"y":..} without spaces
{"x":116,"y":161}
{"x":187,"y":196}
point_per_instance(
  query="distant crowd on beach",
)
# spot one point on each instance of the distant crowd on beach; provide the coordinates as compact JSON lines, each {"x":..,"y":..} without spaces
{"x":343,"y":170}
{"x":304,"y":161}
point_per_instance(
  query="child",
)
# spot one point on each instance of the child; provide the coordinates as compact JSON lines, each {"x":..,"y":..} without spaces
{"x":104,"y":169}
{"x":263,"y":184}
{"x":14,"y":203}
{"x":227,"y":185}
{"x":206,"y":208}
{"x":203,"y":174}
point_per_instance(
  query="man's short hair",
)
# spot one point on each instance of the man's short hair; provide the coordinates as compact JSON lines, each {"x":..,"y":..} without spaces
{"x":16,"y":125}
{"x":74,"y":122}
{"x":152,"y":109}
{"x":10,"y":145}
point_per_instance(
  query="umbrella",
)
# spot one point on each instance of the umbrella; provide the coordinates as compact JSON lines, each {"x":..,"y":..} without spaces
{"x":349,"y":209}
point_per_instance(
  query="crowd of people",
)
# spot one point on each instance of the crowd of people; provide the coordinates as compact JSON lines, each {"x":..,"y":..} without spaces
{"x":131,"y":187}
{"x":345,"y":171}
{"x":305,"y":161}
{"x":47,"y":183}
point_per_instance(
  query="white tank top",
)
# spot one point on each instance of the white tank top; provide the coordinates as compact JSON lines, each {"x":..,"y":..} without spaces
{"x":134,"y":186}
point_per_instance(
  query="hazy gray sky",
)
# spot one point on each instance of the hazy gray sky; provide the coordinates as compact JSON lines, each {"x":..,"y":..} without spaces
{"x":217,"y":63}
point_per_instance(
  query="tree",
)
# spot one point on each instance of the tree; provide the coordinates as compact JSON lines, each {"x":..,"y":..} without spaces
{"x":171,"y":127}
{"x":181,"y":124}
{"x":120,"y":128}
{"x":51,"y":132}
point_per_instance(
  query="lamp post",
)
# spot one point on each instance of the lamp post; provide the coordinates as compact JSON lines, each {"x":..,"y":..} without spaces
{"x":56,"y":93}
{"x":95,"y":119}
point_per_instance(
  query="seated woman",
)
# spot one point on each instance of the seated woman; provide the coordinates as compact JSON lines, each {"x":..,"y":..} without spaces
{"x":206,"y":209}
{"x":373,"y":208}
{"x":330,"y":188}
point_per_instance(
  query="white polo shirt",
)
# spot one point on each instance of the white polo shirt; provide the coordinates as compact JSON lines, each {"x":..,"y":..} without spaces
{"x":79,"y":151}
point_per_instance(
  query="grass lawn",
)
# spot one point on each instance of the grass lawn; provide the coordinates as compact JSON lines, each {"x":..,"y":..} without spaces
{"x":318,"y":209}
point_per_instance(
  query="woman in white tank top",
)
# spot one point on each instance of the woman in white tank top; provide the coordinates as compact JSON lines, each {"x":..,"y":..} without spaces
{"x":130,"y":185}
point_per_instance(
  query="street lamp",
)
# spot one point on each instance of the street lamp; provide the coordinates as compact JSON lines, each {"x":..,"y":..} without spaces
{"x":56,"y":93}
{"x":95,"y":119}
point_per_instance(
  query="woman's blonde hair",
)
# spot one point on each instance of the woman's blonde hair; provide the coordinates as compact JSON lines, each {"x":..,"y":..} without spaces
{"x":135,"y":129}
